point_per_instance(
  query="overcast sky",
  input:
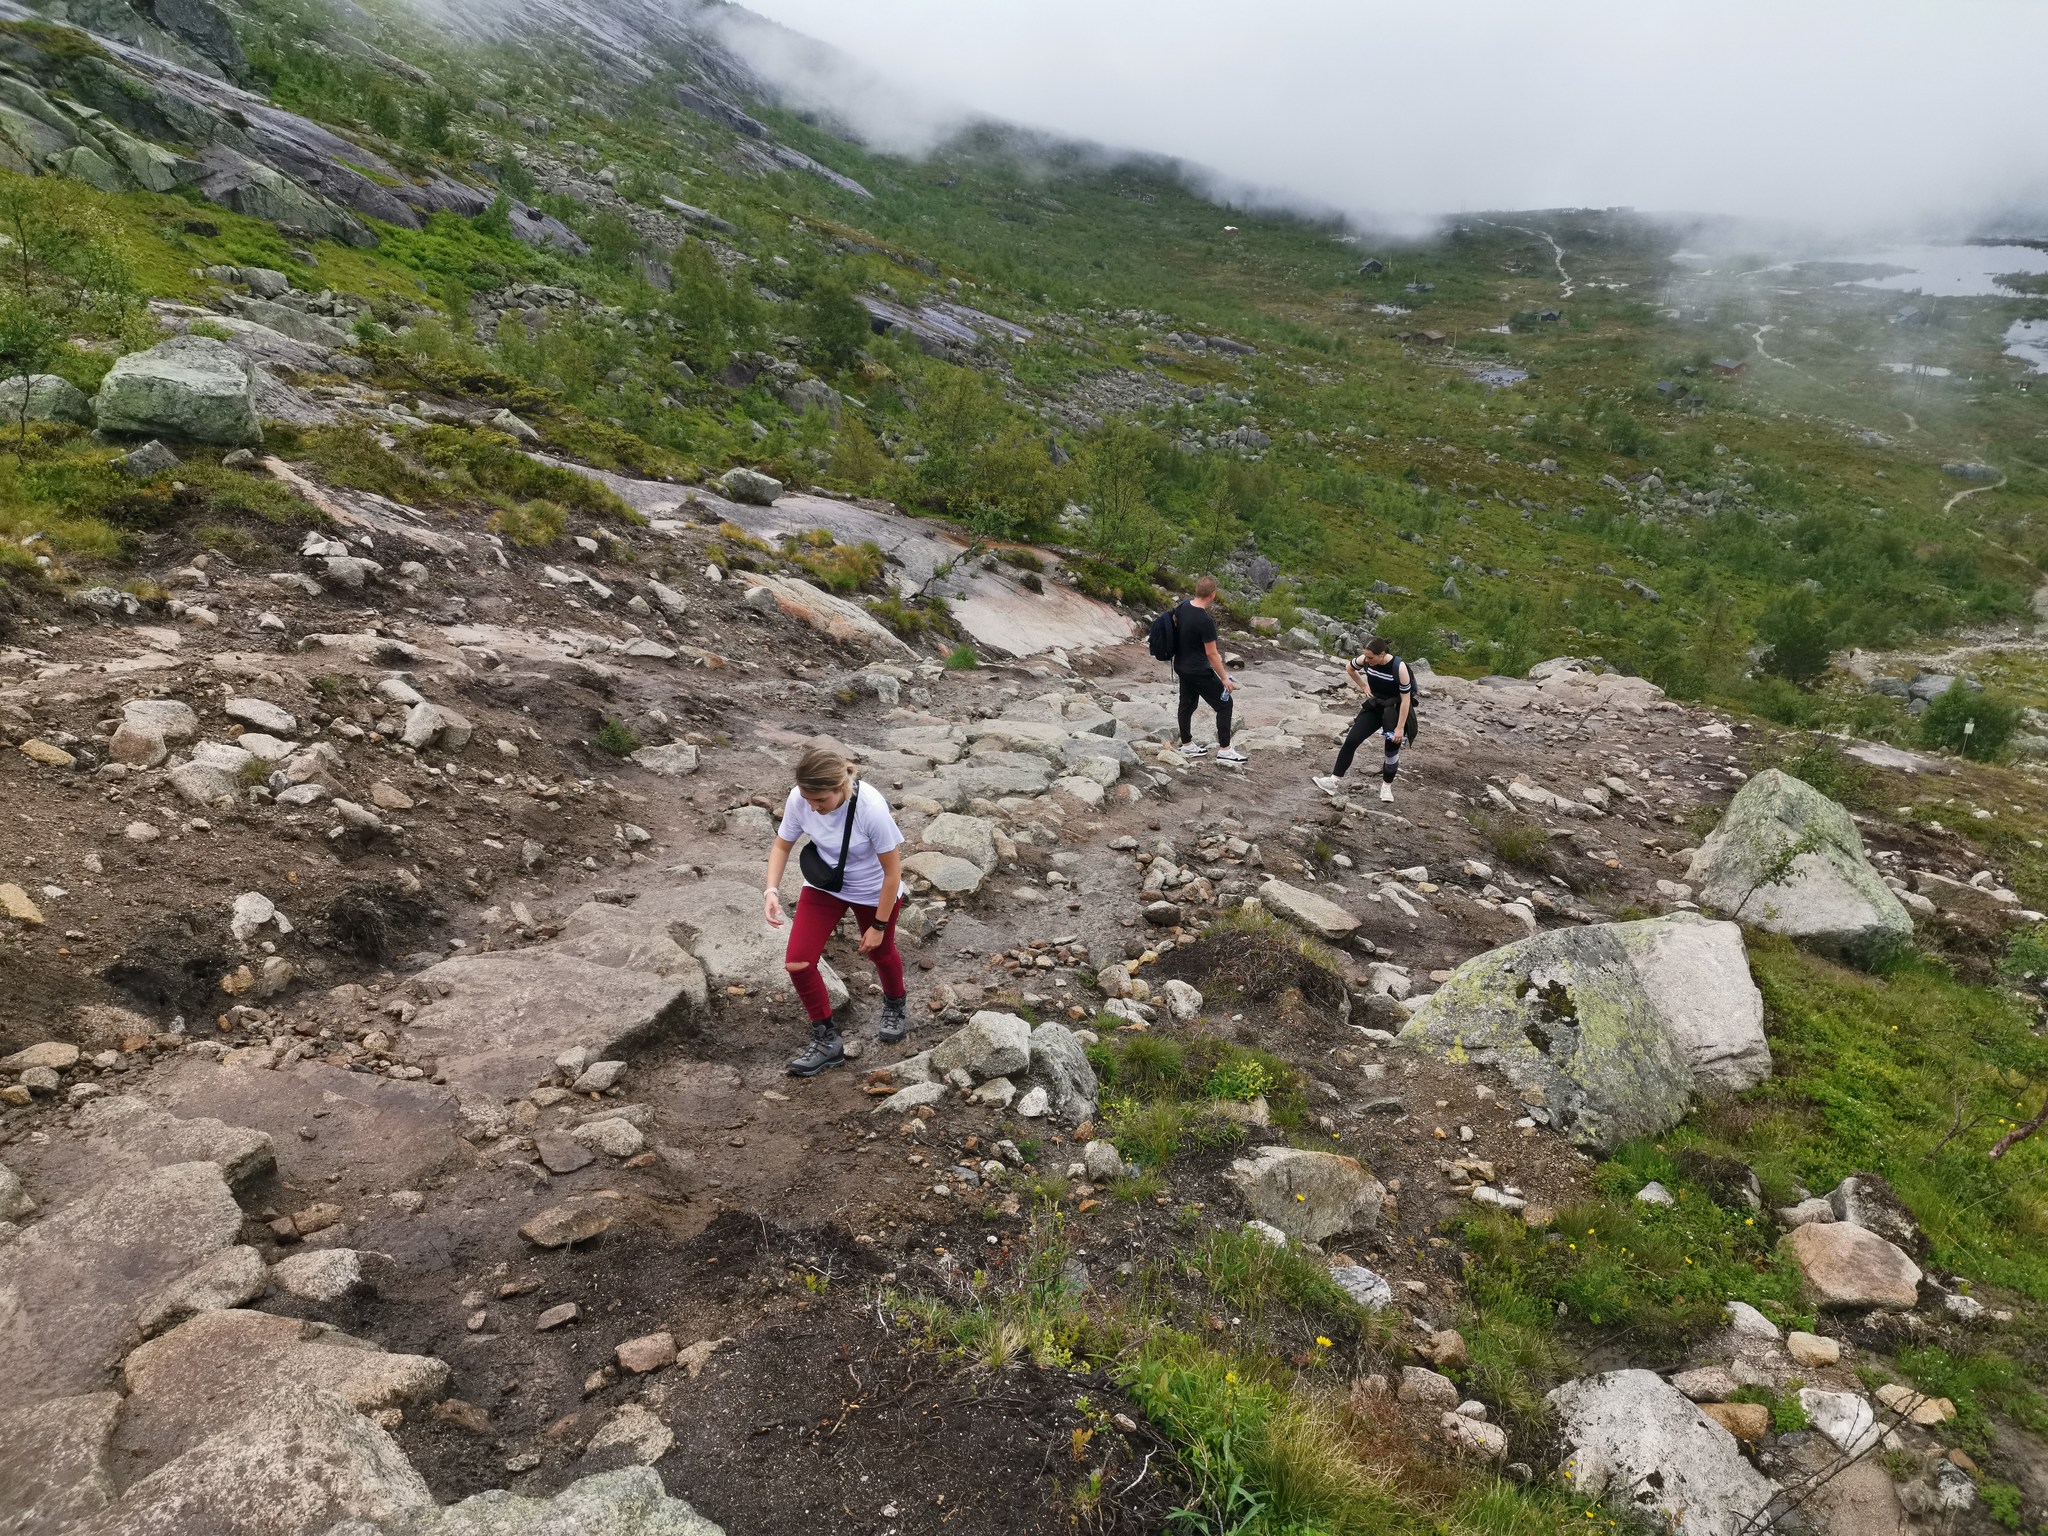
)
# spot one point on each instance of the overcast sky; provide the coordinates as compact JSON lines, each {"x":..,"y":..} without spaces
{"x":1873,"y":113}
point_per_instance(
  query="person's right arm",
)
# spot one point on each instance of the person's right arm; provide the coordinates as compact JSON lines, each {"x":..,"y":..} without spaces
{"x":771,"y":898}
{"x":1351,"y":672}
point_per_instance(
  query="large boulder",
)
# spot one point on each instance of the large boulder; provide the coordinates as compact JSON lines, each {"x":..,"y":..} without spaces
{"x":945,"y":873}
{"x":1618,"y":1025}
{"x":1060,"y":1069}
{"x":1788,"y":859}
{"x":751,"y":486}
{"x":989,"y":1045}
{"x":301,"y":1463}
{"x":43,"y":397}
{"x":972,"y":838}
{"x":190,"y":387}
{"x":1309,"y":1195}
{"x":1634,"y":1439}
{"x":629,"y":1502}
{"x":1851,"y":1269}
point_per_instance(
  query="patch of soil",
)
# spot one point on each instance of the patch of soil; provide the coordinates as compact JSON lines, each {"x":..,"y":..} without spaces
{"x":41,"y":995}
{"x":817,"y":1411}
{"x":171,"y":969}
{"x":371,"y":923}
{"x":1254,"y":966}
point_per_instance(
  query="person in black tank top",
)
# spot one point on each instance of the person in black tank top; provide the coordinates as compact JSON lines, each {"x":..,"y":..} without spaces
{"x":1389,"y":711}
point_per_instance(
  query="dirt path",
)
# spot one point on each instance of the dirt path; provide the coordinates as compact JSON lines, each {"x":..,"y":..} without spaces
{"x":429,"y":1114}
{"x":1962,"y":496}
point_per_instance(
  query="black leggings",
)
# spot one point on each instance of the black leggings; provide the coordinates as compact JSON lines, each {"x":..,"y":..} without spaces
{"x":1196,"y":688}
{"x":1377,"y":716}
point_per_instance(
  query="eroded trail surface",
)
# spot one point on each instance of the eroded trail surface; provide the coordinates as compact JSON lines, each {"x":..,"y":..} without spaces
{"x":404,"y":1048}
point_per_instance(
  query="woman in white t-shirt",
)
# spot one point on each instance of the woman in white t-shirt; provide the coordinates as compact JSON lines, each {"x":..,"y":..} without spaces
{"x":854,"y":863}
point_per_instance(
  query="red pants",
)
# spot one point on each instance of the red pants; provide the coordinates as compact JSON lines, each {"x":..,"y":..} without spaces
{"x":817,"y":914}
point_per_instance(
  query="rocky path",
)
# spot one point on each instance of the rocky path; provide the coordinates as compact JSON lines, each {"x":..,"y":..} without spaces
{"x":448,"y":1150}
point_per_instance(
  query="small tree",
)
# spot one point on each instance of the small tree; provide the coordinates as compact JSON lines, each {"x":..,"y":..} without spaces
{"x":858,"y":462}
{"x":61,"y":273}
{"x":1800,"y":638}
{"x":1122,"y":521}
{"x":835,"y":324}
{"x":1970,"y":721}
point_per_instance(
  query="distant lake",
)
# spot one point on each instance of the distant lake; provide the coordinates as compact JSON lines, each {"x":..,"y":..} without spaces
{"x":2027,"y":340}
{"x":1960,"y":271}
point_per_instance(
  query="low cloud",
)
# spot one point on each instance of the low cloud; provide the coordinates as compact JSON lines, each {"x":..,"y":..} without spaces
{"x":1873,"y":116}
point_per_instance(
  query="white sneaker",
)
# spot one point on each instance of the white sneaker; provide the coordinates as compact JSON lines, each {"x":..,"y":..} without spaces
{"x":1229,"y":755}
{"x":1194,"y":749}
{"x":1328,"y":783}
{"x":1386,"y":792}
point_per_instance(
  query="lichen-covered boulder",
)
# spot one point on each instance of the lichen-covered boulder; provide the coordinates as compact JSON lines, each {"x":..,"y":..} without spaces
{"x":1618,"y":1026}
{"x":1633,"y":1439}
{"x":42,"y":397}
{"x":1788,"y":859}
{"x":190,"y":387}
{"x":1060,"y":1070}
{"x":628,"y":1502}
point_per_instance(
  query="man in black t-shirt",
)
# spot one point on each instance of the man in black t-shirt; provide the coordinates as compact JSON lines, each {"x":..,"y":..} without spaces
{"x":1199,"y":665}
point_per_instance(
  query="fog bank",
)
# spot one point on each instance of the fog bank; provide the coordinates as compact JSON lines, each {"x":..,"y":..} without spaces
{"x":1877,"y":115}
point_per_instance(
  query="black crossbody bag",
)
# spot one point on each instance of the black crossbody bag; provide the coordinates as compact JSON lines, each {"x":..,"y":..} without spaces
{"x":816,"y":871}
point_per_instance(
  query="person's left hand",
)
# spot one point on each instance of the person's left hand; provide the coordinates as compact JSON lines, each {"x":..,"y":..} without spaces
{"x":872,"y":939}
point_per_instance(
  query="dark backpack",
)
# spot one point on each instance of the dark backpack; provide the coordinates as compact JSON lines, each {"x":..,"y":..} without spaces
{"x":1163,"y":640}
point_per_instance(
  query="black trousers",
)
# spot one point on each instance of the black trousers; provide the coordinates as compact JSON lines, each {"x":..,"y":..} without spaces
{"x":1204,"y":687}
{"x":1377,"y":716}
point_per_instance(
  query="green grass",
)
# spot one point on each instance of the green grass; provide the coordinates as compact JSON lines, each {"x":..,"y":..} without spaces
{"x":1981,"y":1383}
{"x":1911,"y":1075}
{"x":1873,"y":1073}
{"x":1160,"y":1095}
{"x":1653,"y":1278}
{"x":962,"y":658}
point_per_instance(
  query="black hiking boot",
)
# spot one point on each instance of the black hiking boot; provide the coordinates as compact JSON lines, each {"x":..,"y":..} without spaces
{"x":826,"y":1051}
{"x":895,"y":1020}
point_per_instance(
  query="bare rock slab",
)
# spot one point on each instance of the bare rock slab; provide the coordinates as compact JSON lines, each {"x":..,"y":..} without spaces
{"x":628,"y":1502}
{"x":307,"y":1461}
{"x":72,"y":1284}
{"x":132,"y":1133}
{"x":222,"y":1366}
{"x":228,"y":1279}
{"x":495,"y":1023}
{"x":53,"y":1462}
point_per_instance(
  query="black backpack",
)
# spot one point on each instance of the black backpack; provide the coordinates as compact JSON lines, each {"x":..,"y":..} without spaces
{"x":1163,"y":640}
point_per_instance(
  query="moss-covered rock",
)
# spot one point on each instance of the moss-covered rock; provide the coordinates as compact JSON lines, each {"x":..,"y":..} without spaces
{"x":1612,"y":1029}
{"x":190,"y":387}
{"x":1788,"y":859}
